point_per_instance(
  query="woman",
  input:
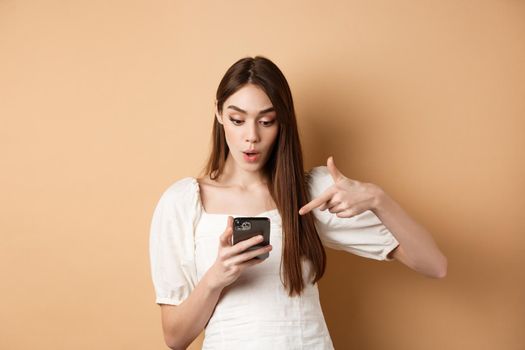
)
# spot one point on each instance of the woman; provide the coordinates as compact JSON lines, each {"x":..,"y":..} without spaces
{"x":256,"y":169}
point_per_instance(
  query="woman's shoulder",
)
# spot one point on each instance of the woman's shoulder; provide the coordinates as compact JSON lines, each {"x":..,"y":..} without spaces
{"x":317,"y":171}
{"x":317,"y":174}
{"x":180,"y":190}
{"x":318,"y":179}
{"x":181,"y":185}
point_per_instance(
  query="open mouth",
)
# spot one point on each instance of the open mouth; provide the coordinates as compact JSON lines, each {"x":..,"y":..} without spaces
{"x":251,"y":156}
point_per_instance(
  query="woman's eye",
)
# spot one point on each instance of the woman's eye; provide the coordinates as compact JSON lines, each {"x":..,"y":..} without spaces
{"x":235,"y":121}
{"x":267,"y":123}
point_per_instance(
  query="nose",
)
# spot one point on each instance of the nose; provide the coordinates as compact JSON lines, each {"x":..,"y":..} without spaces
{"x":252,"y":134}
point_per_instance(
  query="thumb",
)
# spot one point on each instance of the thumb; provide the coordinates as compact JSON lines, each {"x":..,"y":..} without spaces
{"x":336,"y":174}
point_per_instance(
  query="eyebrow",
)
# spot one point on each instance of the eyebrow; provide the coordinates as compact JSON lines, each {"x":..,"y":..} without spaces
{"x":271,"y":109}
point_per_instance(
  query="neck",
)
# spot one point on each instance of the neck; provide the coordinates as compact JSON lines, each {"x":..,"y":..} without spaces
{"x":233,"y":175}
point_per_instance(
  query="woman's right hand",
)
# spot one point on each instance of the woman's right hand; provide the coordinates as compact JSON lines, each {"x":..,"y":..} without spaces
{"x":233,"y":259}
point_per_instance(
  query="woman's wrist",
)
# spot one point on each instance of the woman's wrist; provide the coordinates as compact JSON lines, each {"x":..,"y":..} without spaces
{"x":210,"y":282}
{"x":379,"y":198}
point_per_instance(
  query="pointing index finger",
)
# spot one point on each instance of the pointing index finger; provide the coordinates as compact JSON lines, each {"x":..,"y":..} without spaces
{"x":316,"y":202}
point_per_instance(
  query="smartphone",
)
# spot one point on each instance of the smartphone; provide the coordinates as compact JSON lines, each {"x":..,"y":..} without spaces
{"x":247,"y":227}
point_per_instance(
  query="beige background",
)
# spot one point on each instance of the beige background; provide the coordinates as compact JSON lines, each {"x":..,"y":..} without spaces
{"x":104,"y":104}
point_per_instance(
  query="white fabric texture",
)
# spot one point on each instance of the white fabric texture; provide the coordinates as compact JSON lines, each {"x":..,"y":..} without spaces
{"x":254,"y":312}
{"x":363,"y":234}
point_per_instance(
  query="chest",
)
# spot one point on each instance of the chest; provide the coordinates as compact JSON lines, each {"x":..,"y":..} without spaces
{"x":221,"y":200}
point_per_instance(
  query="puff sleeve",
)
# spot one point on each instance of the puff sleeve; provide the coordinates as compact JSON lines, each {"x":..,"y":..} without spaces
{"x":363,"y":234}
{"x":171,"y":243}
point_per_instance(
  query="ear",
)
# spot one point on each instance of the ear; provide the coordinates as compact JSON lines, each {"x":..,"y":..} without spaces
{"x":217,"y":115}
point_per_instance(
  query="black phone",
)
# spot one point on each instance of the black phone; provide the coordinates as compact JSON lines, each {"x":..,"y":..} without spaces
{"x":247,"y":227}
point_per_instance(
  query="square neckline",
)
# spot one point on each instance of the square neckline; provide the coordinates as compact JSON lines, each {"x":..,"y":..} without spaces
{"x":199,"y":202}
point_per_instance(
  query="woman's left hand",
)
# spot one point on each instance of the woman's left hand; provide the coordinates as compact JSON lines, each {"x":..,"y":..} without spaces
{"x":346,"y":197}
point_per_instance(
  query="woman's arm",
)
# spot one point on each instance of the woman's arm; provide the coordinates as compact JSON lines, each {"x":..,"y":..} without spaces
{"x":416,"y":247}
{"x":347,"y":198}
{"x":181,"y":324}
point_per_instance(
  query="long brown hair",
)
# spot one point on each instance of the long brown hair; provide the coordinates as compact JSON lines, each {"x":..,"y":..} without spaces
{"x":284,"y":168}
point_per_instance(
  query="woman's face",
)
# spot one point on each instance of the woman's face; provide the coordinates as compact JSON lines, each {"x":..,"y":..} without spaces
{"x":250,"y":126}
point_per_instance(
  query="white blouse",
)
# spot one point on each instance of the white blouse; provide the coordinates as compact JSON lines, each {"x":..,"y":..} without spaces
{"x":254,"y":312}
